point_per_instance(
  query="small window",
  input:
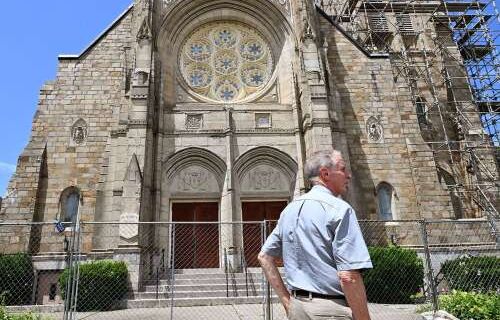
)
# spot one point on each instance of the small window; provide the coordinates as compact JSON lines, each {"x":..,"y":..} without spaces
{"x":385,"y":201}
{"x":70,"y":202}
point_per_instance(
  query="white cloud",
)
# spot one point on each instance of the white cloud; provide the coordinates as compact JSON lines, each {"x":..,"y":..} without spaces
{"x":7,"y":167}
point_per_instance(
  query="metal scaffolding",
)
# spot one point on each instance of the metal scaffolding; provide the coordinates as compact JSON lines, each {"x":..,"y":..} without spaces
{"x":447,"y":53}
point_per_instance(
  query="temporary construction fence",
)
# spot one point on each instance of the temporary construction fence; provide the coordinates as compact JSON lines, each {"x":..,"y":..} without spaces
{"x":208,"y":270}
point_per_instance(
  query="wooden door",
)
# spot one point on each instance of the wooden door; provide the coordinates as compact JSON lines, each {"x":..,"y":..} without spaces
{"x":252,"y":233}
{"x":196,"y":245}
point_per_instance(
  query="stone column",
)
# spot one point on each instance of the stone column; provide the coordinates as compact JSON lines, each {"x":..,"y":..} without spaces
{"x":229,"y":232}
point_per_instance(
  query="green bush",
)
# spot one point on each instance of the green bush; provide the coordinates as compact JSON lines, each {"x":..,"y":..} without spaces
{"x":480,"y":274}
{"x":16,"y":278}
{"x":22,"y":316}
{"x":101,"y":285}
{"x":471,"y":305}
{"x":397,"y":275}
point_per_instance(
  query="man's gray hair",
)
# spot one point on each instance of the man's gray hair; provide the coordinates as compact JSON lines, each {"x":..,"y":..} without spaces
{"x":319,"y":159}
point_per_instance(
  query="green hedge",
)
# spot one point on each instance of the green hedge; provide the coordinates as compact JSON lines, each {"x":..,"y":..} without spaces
{"x":397,"y":275}
{"x":102,"y":284}
{"x":480,"y":274}
{"x":16,"y":278}
{"x":471,"y":305}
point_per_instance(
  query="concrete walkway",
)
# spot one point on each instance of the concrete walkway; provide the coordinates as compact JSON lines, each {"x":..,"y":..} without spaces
{"x":228,"y":312}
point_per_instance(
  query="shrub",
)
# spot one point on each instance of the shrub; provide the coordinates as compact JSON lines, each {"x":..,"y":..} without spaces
{"x":471,"y":305}
{"x":23,"y":316}
{"x":16,"y":278}
{"x":397,"y":275}
{"x":101,"y":285}
{"x":481,"y":274}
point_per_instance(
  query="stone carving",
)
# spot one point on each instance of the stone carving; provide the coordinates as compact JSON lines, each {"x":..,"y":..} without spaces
{"x":194,"y":121}
{"x":262,"y":120}
{"x":265,"y":179}
{"x":225,"y":61}
{"x":129,"y":231}
{"x":374,"y":129}
{"x":144,"y":31}
{"x":79,"y":132}
{"x":140,"y":78}
{"x":194,"y":180}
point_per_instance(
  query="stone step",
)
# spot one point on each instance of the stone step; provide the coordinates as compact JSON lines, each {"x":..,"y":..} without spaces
{"x":207,"y":278}
{"x":203,"y":287}
{"x":200,"y":294}
{"x":191,"y":302}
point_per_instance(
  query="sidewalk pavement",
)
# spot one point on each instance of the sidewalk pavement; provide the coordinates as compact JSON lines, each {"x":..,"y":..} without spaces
{"x":228,"y":312}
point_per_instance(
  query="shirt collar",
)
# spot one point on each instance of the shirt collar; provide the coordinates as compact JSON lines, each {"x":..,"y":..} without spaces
{"x":321,"y":188}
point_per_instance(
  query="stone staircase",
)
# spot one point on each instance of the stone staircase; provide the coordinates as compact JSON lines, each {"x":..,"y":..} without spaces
{"x":202,"y":287}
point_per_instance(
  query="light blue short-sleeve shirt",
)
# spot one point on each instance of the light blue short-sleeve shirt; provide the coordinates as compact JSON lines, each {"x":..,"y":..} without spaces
{"x":317,"y":235}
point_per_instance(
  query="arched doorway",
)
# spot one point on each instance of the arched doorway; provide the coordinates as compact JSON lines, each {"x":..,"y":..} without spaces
{"x":266,"y":179}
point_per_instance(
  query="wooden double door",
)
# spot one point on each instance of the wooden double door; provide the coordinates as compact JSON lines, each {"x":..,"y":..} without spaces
{"x":196,"y":245}
{"x":253,"y":233}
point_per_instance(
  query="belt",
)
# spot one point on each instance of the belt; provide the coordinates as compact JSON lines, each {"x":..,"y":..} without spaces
{"x":308,"y":294}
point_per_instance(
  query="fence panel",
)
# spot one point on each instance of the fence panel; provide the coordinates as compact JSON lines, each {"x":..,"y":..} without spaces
{"x":464,"y":256}
{"x":209,"y":270}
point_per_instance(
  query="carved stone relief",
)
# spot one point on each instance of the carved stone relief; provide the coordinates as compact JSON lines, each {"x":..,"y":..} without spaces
{"x":264,"y":178}
{"x":131,"y":198}
{"x":79,"y":132}
{"x":262,"y":120}
{"x":129,"y":231}
{"x":194,"y":179}
{"x":374,"y":129}
{"x":194,"y":121}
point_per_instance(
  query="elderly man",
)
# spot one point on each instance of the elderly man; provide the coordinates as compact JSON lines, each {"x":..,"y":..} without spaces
{"x":322,"y":247}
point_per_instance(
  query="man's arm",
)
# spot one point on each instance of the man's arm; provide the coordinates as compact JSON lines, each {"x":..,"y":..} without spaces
{"x":354,"y":290}
{"x":274,"y":277}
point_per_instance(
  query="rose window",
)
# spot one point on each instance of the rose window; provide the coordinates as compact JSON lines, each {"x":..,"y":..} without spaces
{"x":226,"y":61}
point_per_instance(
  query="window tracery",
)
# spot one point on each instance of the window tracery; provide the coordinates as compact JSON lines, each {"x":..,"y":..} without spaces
{"x":226,"y":61}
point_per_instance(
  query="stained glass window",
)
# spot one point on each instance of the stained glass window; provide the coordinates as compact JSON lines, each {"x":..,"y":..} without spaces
{"x":226,"y":61}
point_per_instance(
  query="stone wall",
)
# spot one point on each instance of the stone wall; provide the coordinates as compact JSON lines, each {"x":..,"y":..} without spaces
{"x":369,"y":98}
{"x":72,"y":124}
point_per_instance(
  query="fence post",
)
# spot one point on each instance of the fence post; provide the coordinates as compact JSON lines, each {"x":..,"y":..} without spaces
{"x":172,"y":273}
{"x":430,"y":270}
{"x":267,"y":287}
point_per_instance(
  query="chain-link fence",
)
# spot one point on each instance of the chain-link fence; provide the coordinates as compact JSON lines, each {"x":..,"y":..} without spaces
{"x":209,"y":270}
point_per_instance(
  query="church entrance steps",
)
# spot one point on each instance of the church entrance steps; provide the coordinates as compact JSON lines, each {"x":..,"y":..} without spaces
{"x":202,"y":287}
{"x":193,"y":302}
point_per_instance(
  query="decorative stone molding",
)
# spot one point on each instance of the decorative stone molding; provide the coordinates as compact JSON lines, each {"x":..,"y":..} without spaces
{"x":194,"y":121}
{"x":79,"y":133}
{"x":374,"y":129}
{"x":144,"y":31}
{"x":121,"y":132}
{"x":282,"y":4}
{"x":194,"y":170}
{"x":263,"y":120}
{"x":265,"y":169}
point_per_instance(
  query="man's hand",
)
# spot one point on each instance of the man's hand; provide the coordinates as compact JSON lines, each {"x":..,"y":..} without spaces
{"x":274,"y":277}
{"x":355,"y":293}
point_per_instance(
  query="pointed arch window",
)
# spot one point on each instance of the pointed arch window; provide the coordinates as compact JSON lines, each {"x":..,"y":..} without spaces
{"x":385,"y":198}
{"x":70,"y":203}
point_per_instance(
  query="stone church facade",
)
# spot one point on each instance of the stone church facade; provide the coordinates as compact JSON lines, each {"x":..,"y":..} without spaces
{"x":205,"y":111}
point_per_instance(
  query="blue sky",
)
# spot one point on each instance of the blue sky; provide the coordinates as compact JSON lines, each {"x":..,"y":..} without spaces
{"x":33,"y":34}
